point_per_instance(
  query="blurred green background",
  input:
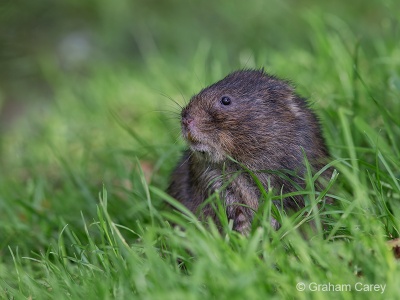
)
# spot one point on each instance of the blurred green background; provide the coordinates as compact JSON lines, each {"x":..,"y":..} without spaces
{"x":74,"y":38}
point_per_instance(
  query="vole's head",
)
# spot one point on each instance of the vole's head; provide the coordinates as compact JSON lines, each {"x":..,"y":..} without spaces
{"x":246,"y":114}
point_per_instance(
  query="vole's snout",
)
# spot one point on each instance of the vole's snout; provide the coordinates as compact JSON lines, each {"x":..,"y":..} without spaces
{"x":186,"y":118}
{"x":188,"y":125}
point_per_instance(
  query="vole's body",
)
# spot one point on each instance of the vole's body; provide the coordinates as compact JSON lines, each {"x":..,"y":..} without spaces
{"x":258,"y":121}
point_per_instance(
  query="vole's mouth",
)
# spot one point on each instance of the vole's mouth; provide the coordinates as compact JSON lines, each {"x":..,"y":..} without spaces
{"x":191,"y":139}
{"x":204,"y":150}
{"x":195,"y":143}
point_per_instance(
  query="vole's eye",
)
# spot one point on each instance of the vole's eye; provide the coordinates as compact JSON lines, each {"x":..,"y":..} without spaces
{"x":225,"y":100}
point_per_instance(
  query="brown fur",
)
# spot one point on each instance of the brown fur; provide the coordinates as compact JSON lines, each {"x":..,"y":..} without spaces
{"x":265,"y":127}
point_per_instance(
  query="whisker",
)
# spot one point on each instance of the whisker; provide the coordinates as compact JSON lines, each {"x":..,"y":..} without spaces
{"x":198,"y":78}
{"x":183,"y":98}
{"x":169,"y":115}
{"x":171,"y":99}
{"x":186,"y":160}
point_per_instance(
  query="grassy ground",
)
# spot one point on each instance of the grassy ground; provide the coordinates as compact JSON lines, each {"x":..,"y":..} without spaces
{"x":82,"y":176}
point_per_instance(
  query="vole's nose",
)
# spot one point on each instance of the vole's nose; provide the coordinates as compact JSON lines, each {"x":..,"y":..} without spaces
{"x":186,"y":118}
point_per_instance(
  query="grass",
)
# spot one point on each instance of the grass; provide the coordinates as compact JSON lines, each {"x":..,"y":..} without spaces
{"x":82,"y":177}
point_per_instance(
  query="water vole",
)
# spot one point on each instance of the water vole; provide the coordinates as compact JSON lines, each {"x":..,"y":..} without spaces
{"x":258,"y":121}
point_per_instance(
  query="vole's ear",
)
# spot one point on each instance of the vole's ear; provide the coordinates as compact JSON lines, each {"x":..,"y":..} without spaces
{"x":279,"y":91}
{"x":293,"y":105}
{"x":279,"y":86}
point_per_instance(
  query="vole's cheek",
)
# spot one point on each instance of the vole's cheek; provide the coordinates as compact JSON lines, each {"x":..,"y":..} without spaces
{"x":226,"y":142}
